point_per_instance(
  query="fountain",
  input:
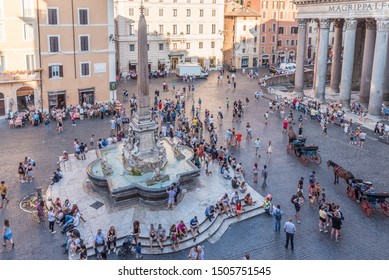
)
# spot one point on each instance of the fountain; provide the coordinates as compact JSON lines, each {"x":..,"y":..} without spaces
{"x":143,"y":165}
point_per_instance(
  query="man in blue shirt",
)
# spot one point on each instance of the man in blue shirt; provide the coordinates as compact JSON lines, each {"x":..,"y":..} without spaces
{"x":99,"y":240}
{"x":194,"y":226}
{"x":290,"y":230}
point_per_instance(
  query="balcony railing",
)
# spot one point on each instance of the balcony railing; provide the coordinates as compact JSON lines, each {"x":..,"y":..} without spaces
{"x":9,"y":76}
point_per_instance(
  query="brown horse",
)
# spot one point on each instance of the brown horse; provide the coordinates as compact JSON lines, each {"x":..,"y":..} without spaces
{"x":340,"y":172}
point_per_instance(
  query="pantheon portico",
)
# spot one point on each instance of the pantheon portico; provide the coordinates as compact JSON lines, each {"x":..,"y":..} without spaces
{"x":360,"y":27}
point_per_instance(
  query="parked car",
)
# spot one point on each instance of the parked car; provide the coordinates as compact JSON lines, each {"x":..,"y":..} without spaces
{"x":275,"y":70}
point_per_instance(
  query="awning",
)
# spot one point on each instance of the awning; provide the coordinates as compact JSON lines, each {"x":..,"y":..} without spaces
{"x":175,"y":54}
{"x":86,"y":90}
{"x":265,"y":56}
{"x":55,"y":93}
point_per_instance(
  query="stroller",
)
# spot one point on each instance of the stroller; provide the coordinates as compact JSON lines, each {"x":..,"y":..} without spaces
{"x":126,"y":247}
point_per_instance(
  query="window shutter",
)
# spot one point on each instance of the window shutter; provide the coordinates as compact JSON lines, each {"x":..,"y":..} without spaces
{"x":61,"y":71}
{"x":50,"y":73}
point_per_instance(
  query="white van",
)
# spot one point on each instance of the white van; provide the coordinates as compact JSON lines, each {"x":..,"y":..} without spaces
{"x":291,"y":67}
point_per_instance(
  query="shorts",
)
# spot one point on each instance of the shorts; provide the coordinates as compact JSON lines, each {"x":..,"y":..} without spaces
{"x":322,"y":219}
{"x":78,"y":152}
{"x":8,"y":236}
{"x":3,"y":196}
{"x":337,"y":228}
{"x":362,"y":140}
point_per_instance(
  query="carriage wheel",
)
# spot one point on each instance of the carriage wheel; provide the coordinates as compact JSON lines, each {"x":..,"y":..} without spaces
{"x":385,"y":208}
{"x":367,"y":209}
{"x":351,"y":193}
{"x":317,"y":158}
{"x":297,"y":152}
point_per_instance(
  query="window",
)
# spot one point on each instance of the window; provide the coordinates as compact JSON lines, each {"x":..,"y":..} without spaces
{"x":244,"y":27}
{"x":146,"y":12}
{"x":2,"y":32}
{"x":264,"y":4}
{"x":160,"y":29}
{"x":84,"y":43}
{"x":188,"y":29}
{"x":28,"y":8}
{"x":292,"y":42}
{"x":132,"y":47}
{"x":263,"y":40}
{"x":188,"y":12}
{"x":263,"y":14}
{"x":28,"y":32}
{"x":280,"y":30}
{"x":52,"y":16}
{"x":131,"y":29}
{"x":161,"y":12}
{"x":213,"y":28}
{"x":279,"y":43}
{"x":264,"y":27}
{"x":55,"y":71}
{"x":274,"y":27}
{"x":187,"y":46}
{"x":201,"y":1}
{"x":174,"y":12}
{"x":212,"y":45}
{"x":175,"y":29}
{"x":200,"y":45}
{"x":294,"y":30}
{"x":148,"y":47}
{"x":244,"y":39}
{"x":255,"y":39}
{"x":30,"y":62}
{"x":161,"y":47}
{"x":281,"y":15}
{"x":214,"y":1}
{"x":262,"y":50}
{"x":287,"y":42}
{"x":83,"y":16}
{"x":310,"y":41}
{"x":201,"y":29}
{"x":255,"y":50}
{"x":85,"y":69}
{"x":174,"y":46}
{"x":274,"y":15}
{"x":273,"y":39}
{"x":243,"y":50}
{"x":53,"y":44}
{"x":275,"y":5}
{"x":201,"y":13}
{"x":131,"y":12}
{"x":333,"y":41}
{"x":2,"y":63}
{"x":310,"y":29}
{"x":214,"y":13}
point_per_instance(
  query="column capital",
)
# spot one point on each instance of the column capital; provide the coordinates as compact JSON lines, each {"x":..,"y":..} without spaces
{"x":339,"y":23}
{"x":351,"y":24}
{"x":324,"y":23}
{"x":370,"y":23}
{"x":302,"y":22}
{"x":383,"y":24}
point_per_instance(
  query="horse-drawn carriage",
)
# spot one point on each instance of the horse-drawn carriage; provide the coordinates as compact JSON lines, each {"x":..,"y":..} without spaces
{"x":361,"y":191}
{"x":304,"y":152}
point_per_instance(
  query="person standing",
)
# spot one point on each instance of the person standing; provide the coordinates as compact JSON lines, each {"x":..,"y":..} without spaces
{"x":300,"y":129}
{"x":92,"y":141}
{"x":269,"y":149}
{"x":255,"y":172}
{"x":51,"y":219}
{"x":264,"y":176}
{"x":257,"y":147}
{"x":47,"y":124}
{"x":3,"y":192}
{"x":277,"y":215}
{"x":290,"y":230}
{"x":7,"y":234}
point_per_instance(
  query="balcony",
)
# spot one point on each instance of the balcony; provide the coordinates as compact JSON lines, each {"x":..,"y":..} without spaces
{"x":19,"y":76}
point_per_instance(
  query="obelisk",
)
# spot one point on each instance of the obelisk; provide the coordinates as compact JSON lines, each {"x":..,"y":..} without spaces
{"x":143,"y":98}
{"x":143,"y":152}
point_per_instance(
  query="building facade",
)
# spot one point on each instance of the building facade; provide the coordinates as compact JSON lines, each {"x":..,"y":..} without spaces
{"x":77,"y":52}
{"x":55,"y":53}
{"x":178,"y":31}
{"x":360,"y":57}
{"x":241,"y":35}
{"x":19,"y":64}
{"x":278,"y":39}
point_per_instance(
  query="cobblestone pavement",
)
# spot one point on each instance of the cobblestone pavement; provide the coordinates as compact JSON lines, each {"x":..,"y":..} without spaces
{"x":363,"y":237}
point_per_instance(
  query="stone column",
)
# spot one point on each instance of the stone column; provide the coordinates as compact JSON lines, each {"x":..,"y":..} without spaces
{"x":385,"y":94}
{"x":302,"y":40}
{"x":336,"y":67}
{"x":322,"y":59}
{"x":348,"y":62}
{"x":379,"y":64}
{"x":367,"y":64}
{"x":358,"y":55}
{"x":316,"y":57}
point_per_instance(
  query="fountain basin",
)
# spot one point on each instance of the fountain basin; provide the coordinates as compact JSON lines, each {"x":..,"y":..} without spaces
{"x":123,"y":186}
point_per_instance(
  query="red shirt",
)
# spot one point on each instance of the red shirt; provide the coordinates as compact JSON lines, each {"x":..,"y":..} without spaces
{"x":285,"y":124}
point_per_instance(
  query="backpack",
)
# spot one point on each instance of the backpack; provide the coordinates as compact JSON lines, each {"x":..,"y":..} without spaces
{"x":278,"y":215}
{"x":293,"y":198}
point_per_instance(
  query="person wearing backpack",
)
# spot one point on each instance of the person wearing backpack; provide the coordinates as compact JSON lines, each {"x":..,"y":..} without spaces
{"x":277,"y":215}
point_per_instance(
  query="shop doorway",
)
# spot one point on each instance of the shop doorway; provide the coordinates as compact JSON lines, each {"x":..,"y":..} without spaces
{"x":174,"y":63}
{"x":57,"y":99}
{"x":25,"y":99}
{"x":86,"y":95}
{"x":2,"y":105}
